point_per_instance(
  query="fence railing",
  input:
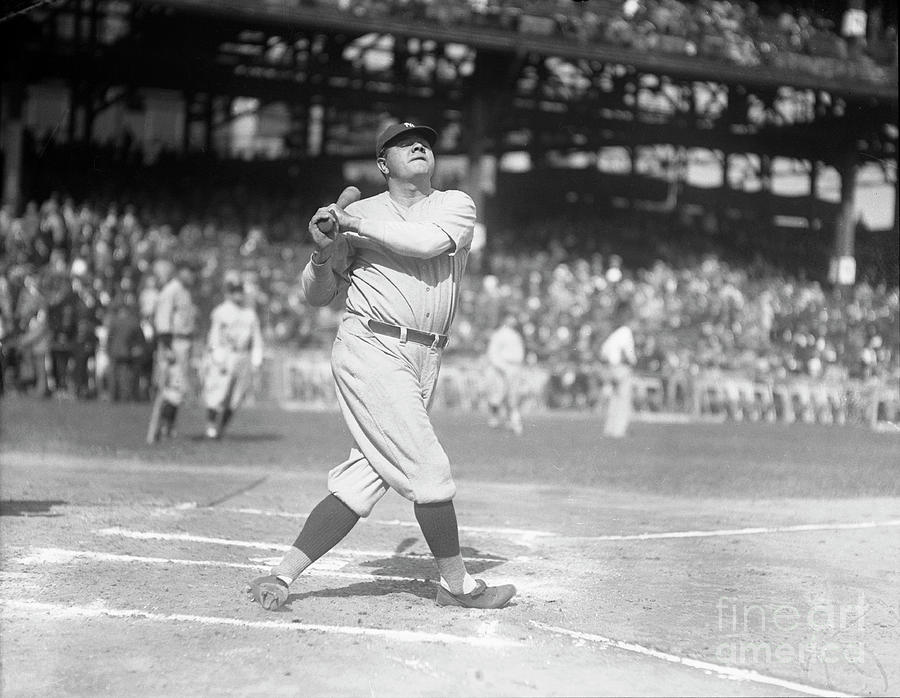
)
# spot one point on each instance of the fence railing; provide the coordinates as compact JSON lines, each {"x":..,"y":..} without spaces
{"x":304,"y":380}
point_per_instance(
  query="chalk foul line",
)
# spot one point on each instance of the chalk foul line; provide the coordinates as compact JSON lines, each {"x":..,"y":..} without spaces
{"x":100,"y":610}
{"x":745,"y":531}
{"x":727,"y":672}
{"x":531,"y":533}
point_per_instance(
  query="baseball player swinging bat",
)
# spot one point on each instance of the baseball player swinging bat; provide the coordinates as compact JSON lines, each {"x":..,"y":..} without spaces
{"x":329,"y":226}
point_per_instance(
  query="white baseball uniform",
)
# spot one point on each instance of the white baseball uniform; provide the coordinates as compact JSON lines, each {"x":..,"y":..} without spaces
{"x":384,"y":384}
{"x":234,"y":348}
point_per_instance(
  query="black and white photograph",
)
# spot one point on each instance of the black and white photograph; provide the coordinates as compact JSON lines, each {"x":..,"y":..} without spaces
{"x":464,"y":348}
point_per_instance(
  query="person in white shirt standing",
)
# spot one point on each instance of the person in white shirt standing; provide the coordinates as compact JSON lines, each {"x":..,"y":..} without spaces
{"x":234,"y":351}
{"x":505,"y":356}
{"x":618,"y":356}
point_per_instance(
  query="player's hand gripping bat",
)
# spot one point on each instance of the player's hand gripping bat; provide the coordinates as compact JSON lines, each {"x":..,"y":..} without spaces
{"x":327,"y":222}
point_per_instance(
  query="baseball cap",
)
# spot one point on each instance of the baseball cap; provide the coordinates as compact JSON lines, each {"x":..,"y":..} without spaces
{"x":233,"y":282}
{"x":394,"y":130}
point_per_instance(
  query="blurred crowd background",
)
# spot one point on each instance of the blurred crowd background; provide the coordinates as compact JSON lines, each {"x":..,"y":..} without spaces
{"x":77,"y":292}
{"x":794,"y":36}
{"x":77,"y":289}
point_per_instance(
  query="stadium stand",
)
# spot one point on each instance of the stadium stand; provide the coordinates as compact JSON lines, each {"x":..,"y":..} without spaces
{"x":742,"y":33}
{"x":727,"y":340}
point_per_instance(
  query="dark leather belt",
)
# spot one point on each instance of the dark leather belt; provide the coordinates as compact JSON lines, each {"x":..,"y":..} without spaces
{"x":407,"y":334}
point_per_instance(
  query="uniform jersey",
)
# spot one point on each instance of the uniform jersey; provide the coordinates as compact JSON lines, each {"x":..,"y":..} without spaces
{"x":234,"y":328}
{"x":385,"y":385}
{"x":175,"y":313}
{"x":618,"y":348}
{"x":389,"y":287}
{"x":234,"y":350}
{"x":505,"y":348}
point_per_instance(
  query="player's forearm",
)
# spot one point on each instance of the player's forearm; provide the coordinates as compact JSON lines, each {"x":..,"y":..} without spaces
{"x":318,"y":283}
{"x":420,"y":240}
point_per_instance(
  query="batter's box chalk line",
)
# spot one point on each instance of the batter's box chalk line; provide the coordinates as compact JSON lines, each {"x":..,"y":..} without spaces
{"x":526,"y":533}
{"x":727,"y":672}
{"x":262,"y":545}
{"x":325,"y":568}
{"x":98,"y":610}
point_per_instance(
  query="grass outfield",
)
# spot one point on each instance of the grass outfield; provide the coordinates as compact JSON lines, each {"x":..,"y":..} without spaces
{"x":691,"y":460}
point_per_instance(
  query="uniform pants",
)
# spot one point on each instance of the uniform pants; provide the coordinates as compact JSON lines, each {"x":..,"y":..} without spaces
{"x":225,"y":384}
{"x":173,"y":370}
{"x":384,"y":389}
{"x":618,"y":413}
{"x":503,"y":387}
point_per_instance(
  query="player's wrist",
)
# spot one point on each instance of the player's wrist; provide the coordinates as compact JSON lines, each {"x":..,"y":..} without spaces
{"x":320,"y":257}
{"x":354,"y":224}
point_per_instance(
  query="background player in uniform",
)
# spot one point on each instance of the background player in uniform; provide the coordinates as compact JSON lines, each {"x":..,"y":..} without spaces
{"x":505,"y":356}
{"x":174,"y":321}
{"x":618,"y":356}
{"x":402,"y":253}
{"x":234,"y":352}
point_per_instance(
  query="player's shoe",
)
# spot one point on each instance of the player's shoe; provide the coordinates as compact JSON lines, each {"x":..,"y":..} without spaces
{"x":212,"y":432}
{"x":270,"y":592}
{"x":482,"y":596}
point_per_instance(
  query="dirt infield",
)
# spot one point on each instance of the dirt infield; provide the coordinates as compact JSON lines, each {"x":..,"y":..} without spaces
{"x":683,"y":560}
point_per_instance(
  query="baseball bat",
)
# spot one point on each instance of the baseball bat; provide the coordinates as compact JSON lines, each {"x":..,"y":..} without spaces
{"x":155,"y":413}
{"x":347,"y":197}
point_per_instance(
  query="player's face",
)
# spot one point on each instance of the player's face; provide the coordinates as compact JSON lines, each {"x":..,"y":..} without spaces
{"x":409,"y":156}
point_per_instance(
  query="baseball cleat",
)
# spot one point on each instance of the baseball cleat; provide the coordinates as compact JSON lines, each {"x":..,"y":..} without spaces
{"x":482,"y":596}
{"x":269,"y":592}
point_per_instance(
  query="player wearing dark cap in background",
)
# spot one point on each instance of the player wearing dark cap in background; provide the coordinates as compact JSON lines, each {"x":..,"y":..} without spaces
{"x":402,"y":254}
{"x":174,"y":321}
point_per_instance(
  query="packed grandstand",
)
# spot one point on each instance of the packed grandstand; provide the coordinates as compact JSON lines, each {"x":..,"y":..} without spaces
{"x":76,"y":289}
{"x":77,"y":286}
{"x":798,"y":36}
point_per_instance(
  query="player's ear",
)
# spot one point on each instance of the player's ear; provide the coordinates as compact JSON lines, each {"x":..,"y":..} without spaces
{"x":382,"y":165}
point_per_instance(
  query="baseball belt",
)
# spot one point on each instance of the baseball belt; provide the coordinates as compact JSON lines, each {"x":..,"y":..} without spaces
{"x":407,"y":334}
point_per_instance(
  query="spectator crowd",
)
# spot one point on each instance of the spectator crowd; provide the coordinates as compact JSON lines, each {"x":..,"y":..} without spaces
{"x":768,"y":34}
{"x":77,"y":293}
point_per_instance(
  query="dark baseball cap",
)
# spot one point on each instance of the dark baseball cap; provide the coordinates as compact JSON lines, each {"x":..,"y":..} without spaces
{"x":394,"y":130}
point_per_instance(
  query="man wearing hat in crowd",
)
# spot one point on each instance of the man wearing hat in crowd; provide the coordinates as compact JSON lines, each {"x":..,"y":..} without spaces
{"x":234,"y":351}
{"x":401,"y":255}
{"x":174,"y":322}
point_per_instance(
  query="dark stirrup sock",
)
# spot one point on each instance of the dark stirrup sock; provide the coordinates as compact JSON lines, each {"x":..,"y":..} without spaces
{"x":438,"y":524}
{"x":325,"y":527}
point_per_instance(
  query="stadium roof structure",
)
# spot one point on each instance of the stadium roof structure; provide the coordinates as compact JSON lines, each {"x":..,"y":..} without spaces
{"x":507,"y":87}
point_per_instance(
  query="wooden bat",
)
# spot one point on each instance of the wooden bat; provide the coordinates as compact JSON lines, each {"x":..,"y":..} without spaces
{"x":347,"y":197}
